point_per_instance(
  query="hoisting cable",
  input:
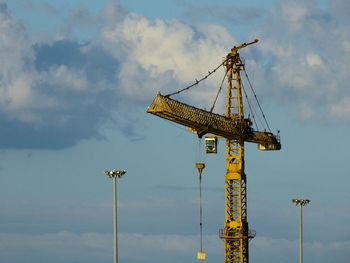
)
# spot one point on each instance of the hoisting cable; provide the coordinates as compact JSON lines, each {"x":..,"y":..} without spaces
{"x":256,"y":98}
{"x":200,"y":211}
{"x":250,"y":106}
{"x":201,"y":253}
{"x":197,"y":81}
{"x":257,"y":115}
{"x":217,"y":94}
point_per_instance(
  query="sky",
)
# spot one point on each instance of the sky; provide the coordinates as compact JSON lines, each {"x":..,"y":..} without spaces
{"x":76,"y":78}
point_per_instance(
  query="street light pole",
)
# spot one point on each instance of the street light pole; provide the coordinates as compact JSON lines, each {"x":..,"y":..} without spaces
{"x":114,"y":174}
{"x":301,"y":203}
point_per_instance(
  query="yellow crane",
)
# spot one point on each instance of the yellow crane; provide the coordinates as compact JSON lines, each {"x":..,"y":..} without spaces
{"x":237,"y":130}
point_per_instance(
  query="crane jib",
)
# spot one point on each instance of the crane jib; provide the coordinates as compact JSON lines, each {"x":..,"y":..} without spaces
{"x":203,"y":122}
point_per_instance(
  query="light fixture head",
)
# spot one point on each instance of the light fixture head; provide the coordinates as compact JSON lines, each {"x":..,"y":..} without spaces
{"x":200,"y":167}
{"x":301,"y":202}
{"x":115,"y":173}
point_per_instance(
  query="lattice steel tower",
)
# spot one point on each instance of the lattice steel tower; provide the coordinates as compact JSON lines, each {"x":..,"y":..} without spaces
{"x":236,"y":231}
{"x":237,"y":130}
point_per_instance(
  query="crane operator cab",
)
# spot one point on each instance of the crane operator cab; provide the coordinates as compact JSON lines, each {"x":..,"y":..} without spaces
{"x":211,"y":143}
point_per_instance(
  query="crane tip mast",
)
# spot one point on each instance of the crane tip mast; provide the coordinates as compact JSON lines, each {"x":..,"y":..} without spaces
{"x":236,"y":129}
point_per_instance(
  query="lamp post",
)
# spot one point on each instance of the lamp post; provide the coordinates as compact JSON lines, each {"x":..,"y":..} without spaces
{"x":301,"y":203}
{"x":114,"y":174}
{"x":201,"y":254}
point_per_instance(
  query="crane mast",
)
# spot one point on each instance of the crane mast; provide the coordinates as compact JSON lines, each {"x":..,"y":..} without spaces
{"x":236,"y":231}
{"x":236,"y":130}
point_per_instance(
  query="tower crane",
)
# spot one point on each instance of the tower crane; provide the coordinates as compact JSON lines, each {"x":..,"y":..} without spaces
{"x":236,"y":129}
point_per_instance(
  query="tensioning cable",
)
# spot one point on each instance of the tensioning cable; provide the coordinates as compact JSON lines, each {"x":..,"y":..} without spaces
{"x":197,"y":81}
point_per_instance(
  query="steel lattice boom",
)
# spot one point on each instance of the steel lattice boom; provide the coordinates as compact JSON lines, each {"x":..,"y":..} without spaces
{"x":203,"y":122}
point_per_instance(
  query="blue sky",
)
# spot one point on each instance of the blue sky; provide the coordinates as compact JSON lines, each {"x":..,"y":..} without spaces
{"x":75,"y":80}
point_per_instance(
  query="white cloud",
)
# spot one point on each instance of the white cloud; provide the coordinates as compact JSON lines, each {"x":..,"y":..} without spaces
{"x":162,"y":243}
{"x":61,"y":76}
{"x":46,"y":82}
{"x":283,"y":250}
{"x":51,"y":86}
{"x":299,"y":62}
{"x":68,"y":246}
{"x":305,"y":49}
{"x":294,"y":14}
{"x":20,"y":82}
{"x":60,"y":247}
{"x":16,"y":80}
{"x":341,"y":109}
{"x":313,"y":59}
{"x":164,"y":55}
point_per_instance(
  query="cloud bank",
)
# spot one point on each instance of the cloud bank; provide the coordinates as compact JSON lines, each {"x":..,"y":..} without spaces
{"x":305,"y":58}
{"x":51,"y":95}
{"x":56,"y":92}
{"x":92,"y":247}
